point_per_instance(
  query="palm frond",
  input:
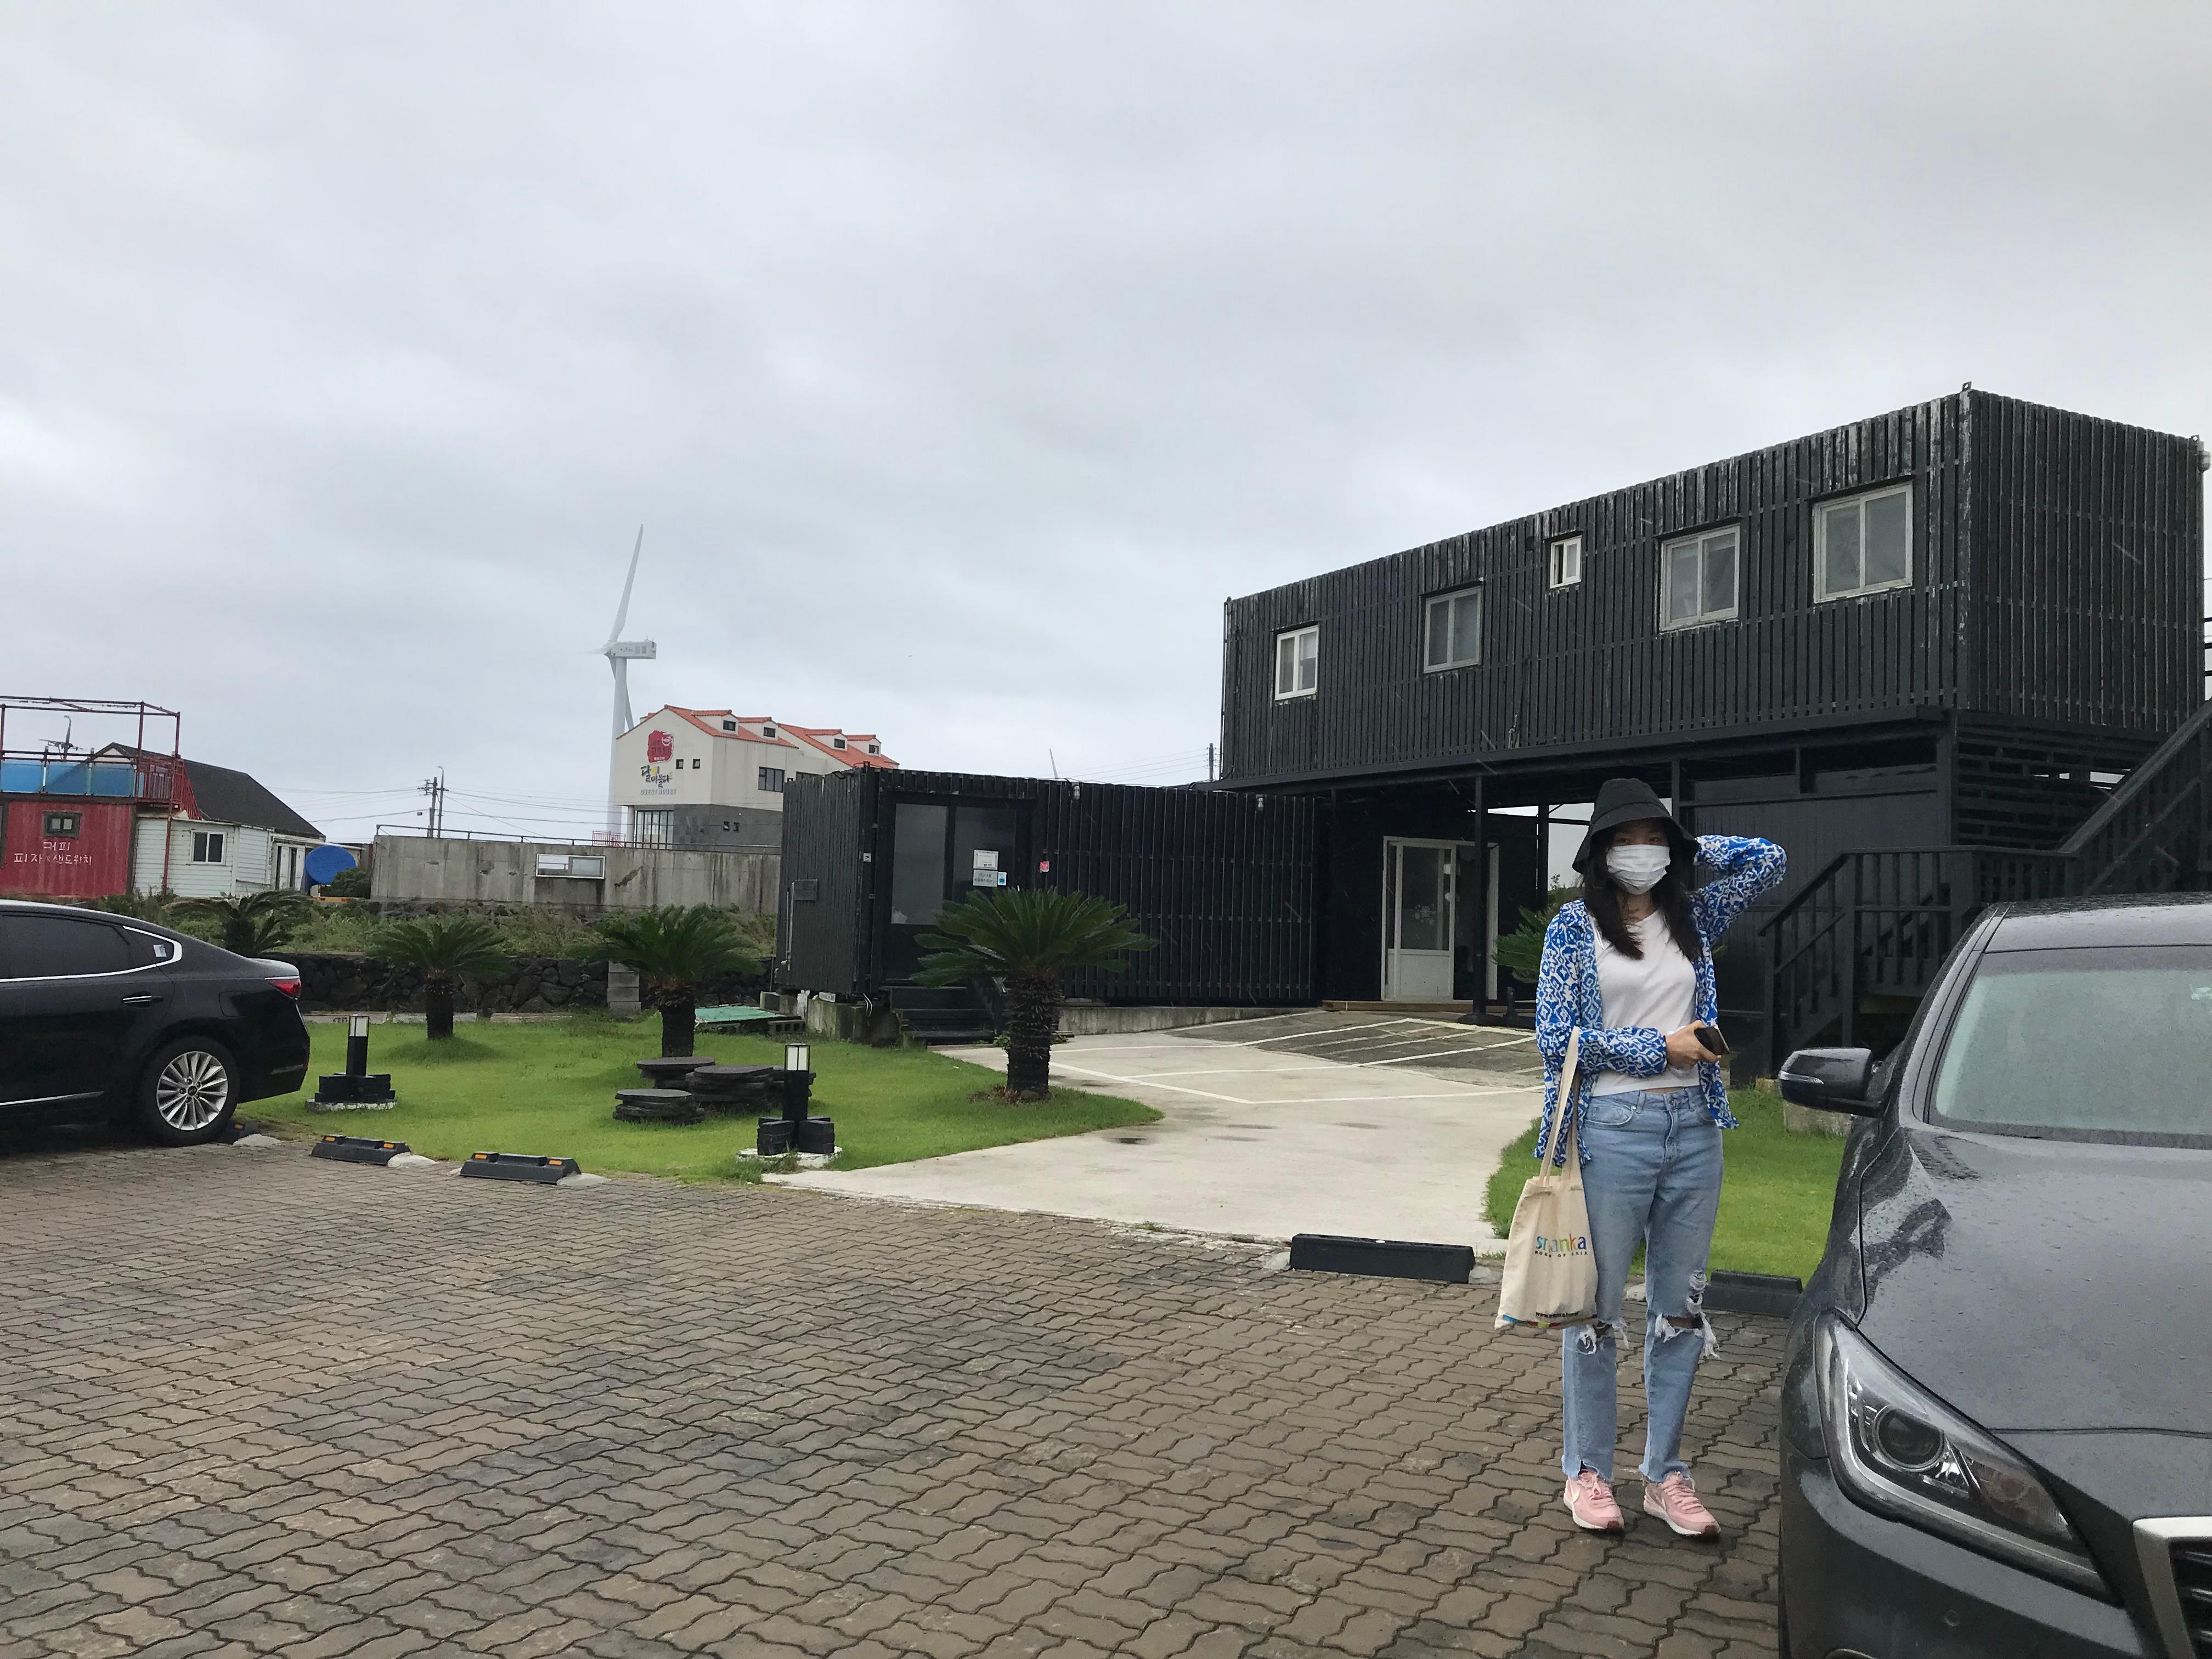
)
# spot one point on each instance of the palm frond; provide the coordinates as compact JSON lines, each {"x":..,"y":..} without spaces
{"x":440,"y":947}
{"x":1022,"y":931}
{"x":252,"y":923}
{"x":674,"y":946}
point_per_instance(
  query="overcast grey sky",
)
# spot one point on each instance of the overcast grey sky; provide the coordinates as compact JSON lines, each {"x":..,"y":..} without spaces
{"x":960,"y":360}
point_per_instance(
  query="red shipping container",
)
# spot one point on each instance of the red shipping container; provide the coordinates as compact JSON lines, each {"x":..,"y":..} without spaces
{"x":88,"y":858}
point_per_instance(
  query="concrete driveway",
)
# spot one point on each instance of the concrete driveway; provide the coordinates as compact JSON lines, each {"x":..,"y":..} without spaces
{"x":1372,"y":1125}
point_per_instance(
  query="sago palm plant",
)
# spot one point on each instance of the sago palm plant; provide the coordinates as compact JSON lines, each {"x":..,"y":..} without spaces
{"x":444,"y":950}
{"x":1028,"y":939}
{"x":254,"y":924}
{"x":676,"y":950}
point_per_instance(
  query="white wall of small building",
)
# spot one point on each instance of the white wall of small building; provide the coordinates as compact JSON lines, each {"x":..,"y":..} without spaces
{"x":250,"y":862}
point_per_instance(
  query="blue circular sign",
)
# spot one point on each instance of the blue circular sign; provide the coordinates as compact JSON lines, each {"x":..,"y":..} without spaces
{"x":323,"y":864}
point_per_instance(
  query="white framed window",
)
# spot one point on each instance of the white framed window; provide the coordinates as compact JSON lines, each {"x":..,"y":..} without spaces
{"x":590,"y":866}
{"x":1453,"y":630}
{"x":207,"y":847}
{"x":729,"y":725}
{"x":1697,"y":578}
{"x":1563,"y":561}
{"x":875,"y":749}
{"x":1864,"y":544}
{"x":1297,"y":662}
{"x":836,"y":743}
{"x":653,"y":826}
{"x":771,"y":779}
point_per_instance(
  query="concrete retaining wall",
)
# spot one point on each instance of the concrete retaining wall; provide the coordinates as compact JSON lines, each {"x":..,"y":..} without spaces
{"x":409,"y":869}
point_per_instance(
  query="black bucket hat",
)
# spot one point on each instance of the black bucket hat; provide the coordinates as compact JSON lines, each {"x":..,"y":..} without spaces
{"x":1631,"y":800}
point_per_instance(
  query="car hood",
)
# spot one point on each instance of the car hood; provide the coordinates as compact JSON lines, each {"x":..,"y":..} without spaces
{"x":2043,"y":1284}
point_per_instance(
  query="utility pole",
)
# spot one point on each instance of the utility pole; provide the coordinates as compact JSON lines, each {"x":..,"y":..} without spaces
{"x":1209,"y":762}
{"x":435,"y":789}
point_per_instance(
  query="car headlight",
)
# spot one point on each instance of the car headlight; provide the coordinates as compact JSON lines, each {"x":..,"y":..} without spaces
{"x":1897,"y":1448}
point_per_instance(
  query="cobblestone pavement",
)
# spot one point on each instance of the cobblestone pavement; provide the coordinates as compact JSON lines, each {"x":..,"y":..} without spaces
{"x":255,"y":1403}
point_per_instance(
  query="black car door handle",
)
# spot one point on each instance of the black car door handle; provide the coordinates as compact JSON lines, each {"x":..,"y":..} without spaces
{"x":140,"y":1001}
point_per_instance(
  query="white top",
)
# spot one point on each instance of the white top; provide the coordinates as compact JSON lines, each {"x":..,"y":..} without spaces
{"x":1658,"y":990}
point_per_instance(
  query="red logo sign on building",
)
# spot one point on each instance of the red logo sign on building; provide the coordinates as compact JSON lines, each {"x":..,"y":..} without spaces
{"x":659,"y":745}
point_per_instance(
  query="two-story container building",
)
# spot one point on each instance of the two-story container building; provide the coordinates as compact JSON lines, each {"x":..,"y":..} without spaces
{"x":1945,"y":655}
{"x":1919,"y":650}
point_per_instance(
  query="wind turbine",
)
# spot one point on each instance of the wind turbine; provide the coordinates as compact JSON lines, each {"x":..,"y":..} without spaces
{"x":620,"y":653}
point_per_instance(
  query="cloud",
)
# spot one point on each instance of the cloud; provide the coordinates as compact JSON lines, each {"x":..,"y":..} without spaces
{"x":960,"y":359}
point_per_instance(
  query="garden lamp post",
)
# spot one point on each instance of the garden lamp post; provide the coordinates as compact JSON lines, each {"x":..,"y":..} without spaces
{"x":796,"y":1131}
{"x":356,"y":1087}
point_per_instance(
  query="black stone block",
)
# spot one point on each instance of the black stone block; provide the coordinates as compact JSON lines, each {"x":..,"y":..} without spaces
{"x":1752,"y":1293}
{"x":1381,"y":1258}
{"x":342,"y":1088}
{"x":658,"y":1106}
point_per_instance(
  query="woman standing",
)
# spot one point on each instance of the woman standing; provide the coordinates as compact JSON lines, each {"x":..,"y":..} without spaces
{"x":1630,"y":965}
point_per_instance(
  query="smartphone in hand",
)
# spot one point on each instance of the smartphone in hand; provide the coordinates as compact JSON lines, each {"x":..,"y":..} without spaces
{"x":1711,"y":1037}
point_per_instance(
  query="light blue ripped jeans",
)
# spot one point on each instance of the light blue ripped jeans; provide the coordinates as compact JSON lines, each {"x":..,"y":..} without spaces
{"x":1653,"y":1178}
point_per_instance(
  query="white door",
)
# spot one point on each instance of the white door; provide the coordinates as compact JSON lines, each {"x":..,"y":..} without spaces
{"x":1417,"y":920}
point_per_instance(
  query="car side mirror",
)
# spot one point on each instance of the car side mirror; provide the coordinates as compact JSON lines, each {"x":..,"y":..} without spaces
{"x":1830,"y":1080}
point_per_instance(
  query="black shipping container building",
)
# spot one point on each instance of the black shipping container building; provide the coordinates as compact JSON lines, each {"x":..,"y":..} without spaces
{"x":1224,"y":882}
{"x":1945,"y":655}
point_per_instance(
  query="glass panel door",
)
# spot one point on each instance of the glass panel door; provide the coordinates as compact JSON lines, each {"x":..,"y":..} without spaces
{"x":917,"y":863}
{"x":1418,"y":920}
{"x":984,"y":850}
{"x":942,"y":852}
{"x":1421,"y":898}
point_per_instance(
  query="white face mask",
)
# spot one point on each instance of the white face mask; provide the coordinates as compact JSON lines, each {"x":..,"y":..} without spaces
{"x":1637,"y":869}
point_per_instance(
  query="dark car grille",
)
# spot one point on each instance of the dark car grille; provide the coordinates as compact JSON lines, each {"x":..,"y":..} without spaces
{"x":2192,"y":1579}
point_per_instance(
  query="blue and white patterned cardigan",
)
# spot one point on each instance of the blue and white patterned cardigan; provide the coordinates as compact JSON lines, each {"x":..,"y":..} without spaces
{"x":1567,"y":994}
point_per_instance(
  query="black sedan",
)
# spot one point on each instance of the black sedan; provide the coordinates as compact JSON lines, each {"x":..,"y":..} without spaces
{"x":1997,"y":1399}
{"x":102,"y":1014}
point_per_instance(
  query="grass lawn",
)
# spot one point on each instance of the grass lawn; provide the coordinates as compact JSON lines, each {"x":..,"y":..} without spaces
{"x":1775,"y":1197}
{"x":549,"y":1087}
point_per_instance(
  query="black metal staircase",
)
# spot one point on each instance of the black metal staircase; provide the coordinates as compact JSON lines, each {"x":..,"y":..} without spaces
{"x":1864,"y":937}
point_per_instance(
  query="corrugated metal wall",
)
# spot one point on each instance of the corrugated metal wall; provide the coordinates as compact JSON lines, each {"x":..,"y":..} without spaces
{"x":92,"y":863}
{"x":2061,"y":502}
{"x":1224,"y":882}
{"x":822,"y":925}
{"x":2089,"y":544}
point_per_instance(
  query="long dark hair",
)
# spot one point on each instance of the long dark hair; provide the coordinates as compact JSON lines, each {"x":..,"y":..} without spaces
{"x":1671,"y":898}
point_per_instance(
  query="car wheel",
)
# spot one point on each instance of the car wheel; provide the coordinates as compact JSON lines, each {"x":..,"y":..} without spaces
{"x":189,"y":1092}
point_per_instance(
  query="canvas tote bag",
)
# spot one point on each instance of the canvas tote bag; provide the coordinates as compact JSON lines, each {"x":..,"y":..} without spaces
{"x":1551,"y":1277}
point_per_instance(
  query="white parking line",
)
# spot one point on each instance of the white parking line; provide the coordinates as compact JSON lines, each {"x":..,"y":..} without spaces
{"x":1321,"y":1031}
{"x":1480,"y":1048}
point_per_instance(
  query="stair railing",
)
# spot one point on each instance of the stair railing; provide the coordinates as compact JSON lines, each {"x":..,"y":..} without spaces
{"x":2148,"y":837}
{"x":1879,"y":921}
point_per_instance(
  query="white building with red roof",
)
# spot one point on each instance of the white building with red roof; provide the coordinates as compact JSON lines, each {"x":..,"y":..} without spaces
{"x":706,"y":777}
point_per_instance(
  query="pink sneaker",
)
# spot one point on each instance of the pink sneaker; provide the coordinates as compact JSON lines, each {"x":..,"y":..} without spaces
{"x":1674,"y":1501}
{"x":1590,"y":1500}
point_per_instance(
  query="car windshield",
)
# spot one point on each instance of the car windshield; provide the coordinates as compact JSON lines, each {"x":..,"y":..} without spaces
{"x":2090,"y":1044}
